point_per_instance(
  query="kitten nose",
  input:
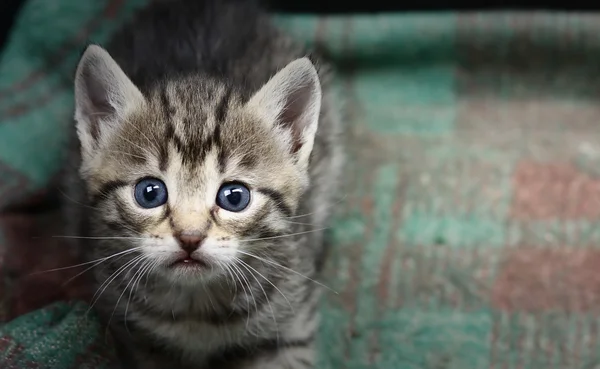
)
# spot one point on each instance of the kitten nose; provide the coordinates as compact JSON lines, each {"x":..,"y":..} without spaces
{"x":190,"y":242}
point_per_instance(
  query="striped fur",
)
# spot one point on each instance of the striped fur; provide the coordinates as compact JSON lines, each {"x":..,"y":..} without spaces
{"x":196,"y":107}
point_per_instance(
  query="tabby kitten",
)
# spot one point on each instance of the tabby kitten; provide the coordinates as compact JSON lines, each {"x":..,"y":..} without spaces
{"x":207,"y":160}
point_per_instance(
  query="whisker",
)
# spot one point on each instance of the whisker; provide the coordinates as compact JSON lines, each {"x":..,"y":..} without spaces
{"x":234,"y":275}
{"x":139,"y":271}
{"x":288,"y":269}
{"x":245,"y":265}
{"x":99,"y":114}
{"x":301,"y":223}
{"x":152,"y":143}
{"x":241,"y":274}
{"x":117,"y":272}
{"x":87,"y":262}
{"x":228,"y":275}
{"x":284,"y":235}
{"x":150,"y":270}
{"x":320,"y":209}
{"x":240,"y":146}
{"x":110,"y":279}
{"x":140,"y":261}
{"x":127,"y":153}
{"x":75,"y":201}
{"x":101,"y":238}
{"x":210,"y":300}
{"x":85,"y":270}
{"x":136,"y":145}
{"x":130,"y":229}
{"x":271,"y":283}
{"x":143,"y":270}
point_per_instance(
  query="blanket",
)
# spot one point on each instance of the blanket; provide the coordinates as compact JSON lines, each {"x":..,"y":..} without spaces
{"x":468,"y":235}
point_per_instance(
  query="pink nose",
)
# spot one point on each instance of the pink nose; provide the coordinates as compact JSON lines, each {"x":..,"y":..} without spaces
{"x":190,"y":242}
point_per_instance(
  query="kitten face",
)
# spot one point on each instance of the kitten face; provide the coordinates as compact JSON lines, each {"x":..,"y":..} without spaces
{"x":192,"y":172}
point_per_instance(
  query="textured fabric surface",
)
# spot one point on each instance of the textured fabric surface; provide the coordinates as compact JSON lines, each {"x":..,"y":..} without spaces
{"x":468,"y":236}
{"x":61,"y":335}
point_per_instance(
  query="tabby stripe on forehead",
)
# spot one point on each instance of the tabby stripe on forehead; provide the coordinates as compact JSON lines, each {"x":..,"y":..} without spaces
{"x":168,"y":108}
{"x":197,"y":153}
{"x":221,"y":111}
{"x":194,"y":150}
{"x":221,"y":115}
{"x":170,"y":137}
{"x":221,"y":157}
{"x":277,"y":198}
{"x":106,"y":190}
{"x":169,"y":112}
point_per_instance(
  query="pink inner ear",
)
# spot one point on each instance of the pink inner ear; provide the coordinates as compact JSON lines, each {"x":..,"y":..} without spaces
{"x":293,"y":114}
{"x":98,"y":105}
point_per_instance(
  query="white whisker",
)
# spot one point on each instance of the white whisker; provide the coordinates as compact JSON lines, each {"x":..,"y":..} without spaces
{"x":75,"y":201}
{"x":271,"y":283}
{"x":152,"y":143}
{"x":136,"y":145}
{"x":110,"y":279}
{"x":245,"y":265}
{"x":101,"y":238}
{"x":286,"y":268}
{"x":249,"y":292}
{"x":301,"y":223}
{"x":136,"y":282}
{"x":87,"y":269}
{"x":284,"y":235}
{"x":228,"y":275}
{"x":140,"y":261}
{"x":100,"y":260}
{"x":127,"y":154}
{"x":320,"y":209}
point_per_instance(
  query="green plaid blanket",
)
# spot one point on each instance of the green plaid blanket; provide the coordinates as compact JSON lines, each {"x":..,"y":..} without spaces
{"x":469,"y":235}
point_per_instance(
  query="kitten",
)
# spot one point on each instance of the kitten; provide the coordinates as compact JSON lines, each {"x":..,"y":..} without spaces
{"x":206,"y":155}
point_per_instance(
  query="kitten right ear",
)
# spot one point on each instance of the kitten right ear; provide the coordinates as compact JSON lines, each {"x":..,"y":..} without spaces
{"x":291,"y":101}
{"x":103,"y":97}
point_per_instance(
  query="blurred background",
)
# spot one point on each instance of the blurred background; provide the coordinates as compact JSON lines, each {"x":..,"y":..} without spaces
{"x":9,"y":8}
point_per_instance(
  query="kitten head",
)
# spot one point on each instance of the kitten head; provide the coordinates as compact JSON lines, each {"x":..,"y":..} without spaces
{"x":193,"y":173}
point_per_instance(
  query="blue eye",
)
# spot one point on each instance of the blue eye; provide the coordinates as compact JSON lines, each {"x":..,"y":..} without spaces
{"x":233,"y":197}
{"x":150,"y":193}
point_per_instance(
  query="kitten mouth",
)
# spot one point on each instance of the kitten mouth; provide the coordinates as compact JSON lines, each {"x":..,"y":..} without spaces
{"x":188,"y":262}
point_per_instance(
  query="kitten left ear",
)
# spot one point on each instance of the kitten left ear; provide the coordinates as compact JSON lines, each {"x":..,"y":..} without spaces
{"x":103,"y":97}
{"x":291,"y":100}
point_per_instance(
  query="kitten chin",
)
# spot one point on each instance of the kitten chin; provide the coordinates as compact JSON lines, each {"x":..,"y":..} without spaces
{"x":206,"y":158}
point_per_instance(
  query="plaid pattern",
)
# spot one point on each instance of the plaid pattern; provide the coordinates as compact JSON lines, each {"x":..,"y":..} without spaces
{"x":468,"y":237}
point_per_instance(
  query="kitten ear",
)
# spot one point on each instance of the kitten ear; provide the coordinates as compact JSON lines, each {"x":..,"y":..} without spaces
{"x":103,"y":96}
{"x":292,"y":100}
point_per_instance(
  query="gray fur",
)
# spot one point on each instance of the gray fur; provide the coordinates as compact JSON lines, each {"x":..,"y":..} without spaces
{"x":192,"y":106}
